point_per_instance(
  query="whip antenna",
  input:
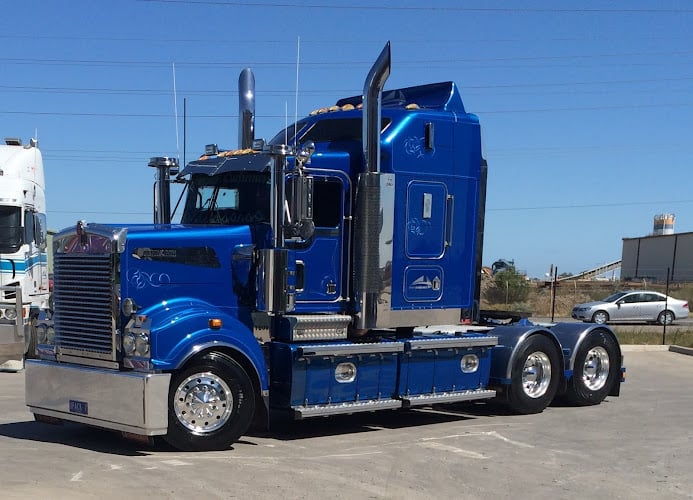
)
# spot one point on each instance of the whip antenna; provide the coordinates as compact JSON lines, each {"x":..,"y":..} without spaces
{"x":175,"y":110}
{"x":298,"y":58}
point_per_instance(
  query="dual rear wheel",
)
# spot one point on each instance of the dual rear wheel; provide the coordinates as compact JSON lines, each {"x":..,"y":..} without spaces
{"x":536,"y":373}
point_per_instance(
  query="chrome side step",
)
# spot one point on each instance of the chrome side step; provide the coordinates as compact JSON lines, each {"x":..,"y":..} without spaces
{"x":301,"y":412}
{"x":447,"y":397}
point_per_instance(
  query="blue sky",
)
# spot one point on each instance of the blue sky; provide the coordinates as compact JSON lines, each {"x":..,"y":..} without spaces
{"x":586,"y":107}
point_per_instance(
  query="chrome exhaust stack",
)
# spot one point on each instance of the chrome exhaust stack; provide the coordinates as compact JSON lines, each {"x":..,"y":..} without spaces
{"x":372,"y":93}
{"x":246,"y":109}
{"x":374,"y":201}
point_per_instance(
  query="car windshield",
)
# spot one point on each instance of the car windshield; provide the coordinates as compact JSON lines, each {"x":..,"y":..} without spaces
{"x":231,"y":198}
{"x":614,"y":297}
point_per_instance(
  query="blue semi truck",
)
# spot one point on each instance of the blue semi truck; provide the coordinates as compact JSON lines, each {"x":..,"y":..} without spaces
{"x":322,"y":272}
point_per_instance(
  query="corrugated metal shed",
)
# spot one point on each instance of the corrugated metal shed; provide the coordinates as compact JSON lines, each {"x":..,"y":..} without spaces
{"x":649,"y":257}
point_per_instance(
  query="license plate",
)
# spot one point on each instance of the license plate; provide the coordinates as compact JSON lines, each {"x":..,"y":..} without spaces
{"x":80,"y":407}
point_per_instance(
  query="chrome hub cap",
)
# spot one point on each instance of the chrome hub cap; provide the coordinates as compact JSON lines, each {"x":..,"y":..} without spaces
{"x":596,"y":368}
{"x":536,"y":374}
{"x":203,"y":403}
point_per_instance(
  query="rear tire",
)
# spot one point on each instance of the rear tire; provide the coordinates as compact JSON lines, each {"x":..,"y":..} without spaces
{"x":31,"y":341}
{"x":535,"y":376}
{"x":211,"y":405}
{"x":665,"y":316}
{"x":595,"y":371}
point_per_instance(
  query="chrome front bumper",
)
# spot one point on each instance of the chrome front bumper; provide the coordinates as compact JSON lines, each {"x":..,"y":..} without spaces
{"x":123,"y":401}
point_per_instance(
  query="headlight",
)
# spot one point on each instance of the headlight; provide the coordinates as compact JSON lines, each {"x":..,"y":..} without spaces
{"x":142,"y":344}
{"x":129,"y":343}
{"x":469,"y":363}
{"x":11,"y":313}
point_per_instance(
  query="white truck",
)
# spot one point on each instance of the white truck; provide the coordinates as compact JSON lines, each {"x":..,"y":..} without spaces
{"x":24,"y":283}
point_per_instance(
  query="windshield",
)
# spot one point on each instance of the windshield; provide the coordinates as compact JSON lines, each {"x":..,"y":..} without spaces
{"x":10,"y":229}
{"x":614,"y":297}
{"x":232,"y":198}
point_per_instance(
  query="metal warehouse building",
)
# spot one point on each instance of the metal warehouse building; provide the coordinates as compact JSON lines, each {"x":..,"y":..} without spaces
{"x":649,"y":257}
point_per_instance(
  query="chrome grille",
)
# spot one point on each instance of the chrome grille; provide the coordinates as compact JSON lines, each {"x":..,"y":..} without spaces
{"x":84,"y":298}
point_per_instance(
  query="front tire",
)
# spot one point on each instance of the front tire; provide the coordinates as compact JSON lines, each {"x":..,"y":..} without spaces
{"x":595,"y":371}
{"x":600,"y":317}
{"x":535,"y":376}
{"x":211,"y":405}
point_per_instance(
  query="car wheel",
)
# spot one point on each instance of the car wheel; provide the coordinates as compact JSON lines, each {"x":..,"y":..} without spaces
{"x":211,"y":404}
{"x":665,"y":317}
{"x":535,"y":376}
{"x":595,"y":370}
{"x":600,"y":317}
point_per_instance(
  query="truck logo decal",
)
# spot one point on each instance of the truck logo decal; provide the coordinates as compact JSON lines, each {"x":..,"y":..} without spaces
{"x":189,"y":256}
{"x":140,"y":279}
{"x":425,"y":283}
{"x":418,"y":227}
{"x":414,"y":146}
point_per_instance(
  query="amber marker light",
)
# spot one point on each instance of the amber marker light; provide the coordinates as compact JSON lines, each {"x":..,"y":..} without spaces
{"x":215,"y":323}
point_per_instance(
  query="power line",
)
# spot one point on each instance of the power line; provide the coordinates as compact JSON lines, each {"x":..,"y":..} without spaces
{"x":589,"y":205}
{"x":235,"y":116}
{"x":427,"y":8}
{"x":337,"y":41}
{"x":275,"y":92}
{"x":341,"y":63}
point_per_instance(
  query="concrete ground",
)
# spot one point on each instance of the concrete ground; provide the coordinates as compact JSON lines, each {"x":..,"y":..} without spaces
{"x":639,"y":445}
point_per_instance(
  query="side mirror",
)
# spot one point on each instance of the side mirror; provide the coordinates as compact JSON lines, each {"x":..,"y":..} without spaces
{"x":299,"y":210}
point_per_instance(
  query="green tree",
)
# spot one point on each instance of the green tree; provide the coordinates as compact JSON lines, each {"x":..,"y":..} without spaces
{"x":508,"y":287}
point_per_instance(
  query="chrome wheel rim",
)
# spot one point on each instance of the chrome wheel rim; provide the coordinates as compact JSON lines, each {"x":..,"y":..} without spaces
{"x":667,"y":318}
{"x":600,"y":318}
{"x":203,"y":403}
{"x":536,"y":374}
{"x":595,"y":370}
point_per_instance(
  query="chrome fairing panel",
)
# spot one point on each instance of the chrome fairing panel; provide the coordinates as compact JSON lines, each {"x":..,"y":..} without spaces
{"x":122,"y":401}
{"x":373,"y":260}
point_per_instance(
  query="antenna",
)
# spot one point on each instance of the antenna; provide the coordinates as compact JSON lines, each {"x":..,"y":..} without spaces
{"x":298,"y":58}
{"x":175,"y":109}
{"x":185,"y":122}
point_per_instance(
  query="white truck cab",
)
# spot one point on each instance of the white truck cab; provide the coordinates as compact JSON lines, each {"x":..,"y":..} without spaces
{"x":24,"y":284}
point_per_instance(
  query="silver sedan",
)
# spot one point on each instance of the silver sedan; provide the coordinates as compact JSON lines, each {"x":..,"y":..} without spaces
{"x":634,"y":305}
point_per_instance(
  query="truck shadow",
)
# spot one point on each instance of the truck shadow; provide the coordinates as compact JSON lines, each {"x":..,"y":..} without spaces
{"x":291,"y":430}
{"x":113,"y":443}
{"x":75,"y":436}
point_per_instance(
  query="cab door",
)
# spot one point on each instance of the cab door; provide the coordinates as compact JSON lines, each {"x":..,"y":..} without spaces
{"x":321,"y":258}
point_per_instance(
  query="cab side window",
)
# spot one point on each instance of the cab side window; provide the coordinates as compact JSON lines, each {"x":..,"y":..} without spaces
{"x":29,"y":227}
{"x":327,"y":213}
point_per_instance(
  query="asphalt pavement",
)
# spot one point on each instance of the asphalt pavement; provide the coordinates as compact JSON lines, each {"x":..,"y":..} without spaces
{"x":639,"y":445}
